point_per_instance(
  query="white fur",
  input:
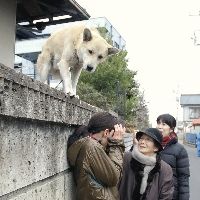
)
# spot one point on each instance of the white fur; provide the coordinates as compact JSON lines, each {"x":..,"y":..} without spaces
{"x":68,"y":51}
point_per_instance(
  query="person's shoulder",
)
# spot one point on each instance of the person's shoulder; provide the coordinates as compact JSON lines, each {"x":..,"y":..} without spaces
{"x":165,"y":167}
{"x":92,"y":144}
{"x":180,"y":148}
{"x":176,"y":147}
{"x":178,"y":144}
{"x":164,"y":164}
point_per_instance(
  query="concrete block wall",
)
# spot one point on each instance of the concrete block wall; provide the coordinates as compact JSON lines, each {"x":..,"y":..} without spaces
{"x":35,"y":122}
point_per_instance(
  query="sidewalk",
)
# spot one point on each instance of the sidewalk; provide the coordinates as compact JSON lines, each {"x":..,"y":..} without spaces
{"x":194,"y":172}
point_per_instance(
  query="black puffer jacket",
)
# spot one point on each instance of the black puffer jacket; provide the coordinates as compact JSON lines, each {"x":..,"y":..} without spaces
{"x":176,"y":156}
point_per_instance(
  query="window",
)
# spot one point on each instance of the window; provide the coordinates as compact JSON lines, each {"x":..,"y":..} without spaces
{"x":194,"y":112}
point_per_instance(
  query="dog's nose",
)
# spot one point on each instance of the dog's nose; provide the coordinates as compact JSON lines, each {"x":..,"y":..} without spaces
{"x":89,"y":68}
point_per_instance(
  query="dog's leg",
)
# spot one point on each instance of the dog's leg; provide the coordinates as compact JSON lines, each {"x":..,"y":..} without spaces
{"x":75,"y":73}
{"x":66,"y":76}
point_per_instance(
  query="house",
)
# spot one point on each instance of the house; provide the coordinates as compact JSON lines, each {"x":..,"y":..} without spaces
{"x":191,"y":110}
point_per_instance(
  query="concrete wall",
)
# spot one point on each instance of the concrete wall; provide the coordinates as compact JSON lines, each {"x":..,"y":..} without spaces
{"x":7,"y":32}
{"x":35,"y":122}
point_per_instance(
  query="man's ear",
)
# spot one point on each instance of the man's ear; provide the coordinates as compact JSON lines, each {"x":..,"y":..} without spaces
{"x":106,"y":132}
{"x":112,"y":50}
{"x":87,"y":35}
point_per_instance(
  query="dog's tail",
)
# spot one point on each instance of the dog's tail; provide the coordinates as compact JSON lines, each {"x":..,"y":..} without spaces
{"x":43,"y":66}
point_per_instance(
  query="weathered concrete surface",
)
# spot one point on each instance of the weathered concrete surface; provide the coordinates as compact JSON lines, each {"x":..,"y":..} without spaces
{"x":35,"y":122}
{"x":21,"y":96}
{"x":30,"y":151}
{"x":59,"y":187}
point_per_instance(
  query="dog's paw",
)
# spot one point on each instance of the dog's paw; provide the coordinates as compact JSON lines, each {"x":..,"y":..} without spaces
{"x":74,"y":96}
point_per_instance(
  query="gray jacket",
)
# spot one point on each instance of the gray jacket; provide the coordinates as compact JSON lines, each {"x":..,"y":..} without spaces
{"x":160,"y":181}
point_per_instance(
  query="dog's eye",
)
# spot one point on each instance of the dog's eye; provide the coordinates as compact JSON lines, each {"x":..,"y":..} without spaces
{"x":90,"y":51}
{"x":100,"y":57}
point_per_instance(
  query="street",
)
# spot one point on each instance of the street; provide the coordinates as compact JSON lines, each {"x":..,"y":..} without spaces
{"x":194,"y":173}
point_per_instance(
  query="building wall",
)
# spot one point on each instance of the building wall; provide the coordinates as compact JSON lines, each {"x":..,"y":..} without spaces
{"x":191,"y":112}
{"x":185,"y":113}
{"x":7,"y":32}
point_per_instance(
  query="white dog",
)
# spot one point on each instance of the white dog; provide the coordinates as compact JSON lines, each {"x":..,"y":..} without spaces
{"x":68,"y":51}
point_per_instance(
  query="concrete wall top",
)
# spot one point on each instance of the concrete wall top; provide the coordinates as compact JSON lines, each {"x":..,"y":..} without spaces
{"x":21,"y":96}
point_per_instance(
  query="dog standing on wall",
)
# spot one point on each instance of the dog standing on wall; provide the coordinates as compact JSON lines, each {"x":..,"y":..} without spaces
{"x":68,"y":51}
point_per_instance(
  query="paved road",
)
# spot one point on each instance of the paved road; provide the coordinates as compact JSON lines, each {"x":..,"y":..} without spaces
{"x":194,"y":173}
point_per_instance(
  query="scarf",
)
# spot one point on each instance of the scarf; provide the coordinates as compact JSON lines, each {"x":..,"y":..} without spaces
{"x":168,"y":138}
{"x":148,"y":161}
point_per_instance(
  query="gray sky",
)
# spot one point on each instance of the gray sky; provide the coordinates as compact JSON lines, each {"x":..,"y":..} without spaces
{"x":158,"y":35}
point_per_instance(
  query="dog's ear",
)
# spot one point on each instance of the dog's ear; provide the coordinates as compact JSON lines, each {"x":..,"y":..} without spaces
{"x":87,"y":35}
{"x":112,"y":50}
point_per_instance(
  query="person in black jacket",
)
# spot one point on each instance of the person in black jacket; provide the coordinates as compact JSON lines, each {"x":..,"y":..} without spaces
{"x":175,"y":155}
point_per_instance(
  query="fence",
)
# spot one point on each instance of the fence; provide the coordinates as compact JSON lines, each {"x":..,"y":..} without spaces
{"x":191,"y":138}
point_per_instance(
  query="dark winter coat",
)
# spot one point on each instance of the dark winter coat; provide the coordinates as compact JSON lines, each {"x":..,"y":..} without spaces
{"x":96,"y":172}
{"x":159,"y":183}
{"x":176,"y":156}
